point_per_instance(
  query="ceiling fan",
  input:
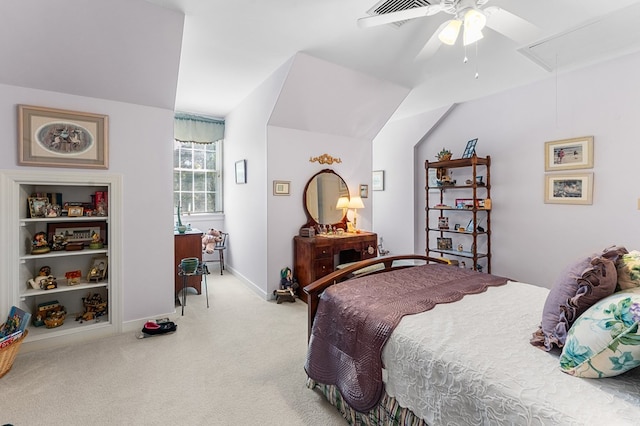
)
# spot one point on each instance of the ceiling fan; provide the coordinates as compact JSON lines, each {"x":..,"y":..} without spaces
{"x":468,"y":16}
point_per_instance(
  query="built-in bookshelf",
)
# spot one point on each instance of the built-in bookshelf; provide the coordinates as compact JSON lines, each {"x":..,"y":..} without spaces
{"x":85,"y":265}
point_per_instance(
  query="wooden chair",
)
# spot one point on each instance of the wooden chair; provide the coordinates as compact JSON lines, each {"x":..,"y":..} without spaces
{"x":220,"y":247}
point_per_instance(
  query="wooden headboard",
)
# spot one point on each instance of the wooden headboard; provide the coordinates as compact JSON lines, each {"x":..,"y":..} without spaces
{"x":315,"y":289}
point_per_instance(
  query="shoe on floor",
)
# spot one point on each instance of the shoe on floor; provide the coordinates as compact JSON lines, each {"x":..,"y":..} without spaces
{"x":152,"y":328}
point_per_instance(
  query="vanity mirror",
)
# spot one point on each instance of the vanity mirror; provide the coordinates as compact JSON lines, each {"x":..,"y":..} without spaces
{"x":320,"y":199}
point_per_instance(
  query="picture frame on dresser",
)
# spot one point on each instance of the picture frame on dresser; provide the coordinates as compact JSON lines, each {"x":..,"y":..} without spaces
{"x":53,"y":137}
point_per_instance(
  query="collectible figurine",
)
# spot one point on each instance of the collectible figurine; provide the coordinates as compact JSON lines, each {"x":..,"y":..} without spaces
{"x":288,"y":287}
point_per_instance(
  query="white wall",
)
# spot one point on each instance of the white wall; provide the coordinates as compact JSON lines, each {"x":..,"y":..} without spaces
{"x":138,"y":137}
{"x":289,"y":154}
{"x":393,"y":152}
{"x":533,"y":241}
{"x":337,"y":111}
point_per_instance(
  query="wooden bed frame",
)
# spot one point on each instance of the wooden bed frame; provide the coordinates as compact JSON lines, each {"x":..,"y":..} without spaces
{"x":315,"y":289}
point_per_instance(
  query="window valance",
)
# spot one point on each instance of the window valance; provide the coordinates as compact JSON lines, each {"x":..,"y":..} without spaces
{"x":197,"y":129}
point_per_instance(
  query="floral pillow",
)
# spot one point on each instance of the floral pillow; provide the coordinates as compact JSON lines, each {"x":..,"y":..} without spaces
{"x":629,"y":270}
{"x":579,"y":286}
{"x":605,"y":341}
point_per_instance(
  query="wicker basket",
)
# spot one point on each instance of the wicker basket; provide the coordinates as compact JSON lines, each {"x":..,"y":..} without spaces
{"x":8,"y":354}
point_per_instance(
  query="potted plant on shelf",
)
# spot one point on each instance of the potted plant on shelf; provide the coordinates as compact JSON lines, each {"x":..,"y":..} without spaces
{"x":444,"y":155}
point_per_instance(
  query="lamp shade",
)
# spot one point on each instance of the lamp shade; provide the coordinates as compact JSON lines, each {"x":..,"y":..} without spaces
{"x":474,"y":20}
{"x":356,"y":203}
{"x":449,"y":33}
{"x":343,"y":203}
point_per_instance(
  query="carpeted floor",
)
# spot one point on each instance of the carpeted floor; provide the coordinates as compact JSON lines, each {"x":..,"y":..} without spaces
{"x":240,"y":362}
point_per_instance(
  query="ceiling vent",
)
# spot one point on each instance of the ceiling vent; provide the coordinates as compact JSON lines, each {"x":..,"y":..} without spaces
{"x":613,"y":35}
{"x":388,"y":6}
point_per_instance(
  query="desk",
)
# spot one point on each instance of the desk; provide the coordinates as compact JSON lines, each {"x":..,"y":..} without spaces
{"x":318,"y":256}
{"x":186,"y":245}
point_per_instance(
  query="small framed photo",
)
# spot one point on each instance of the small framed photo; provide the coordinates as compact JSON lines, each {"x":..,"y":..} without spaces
{"x":568,"y":154}
{"x":38,"y":206}
{"x":470,"y":149}
{"x":241,"y":171}
{"x":443,"y":222}
{"x":281,"y":187}
{"x":445,"y":243}
{"x":364,"y":191}
{"x":60,"y":138}
{"x":377,"y":181}
{"x":75,"y":211}
{"x":572,"y":188}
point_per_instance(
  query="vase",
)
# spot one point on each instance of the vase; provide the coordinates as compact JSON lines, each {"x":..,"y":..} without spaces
{"x":179,"y":226}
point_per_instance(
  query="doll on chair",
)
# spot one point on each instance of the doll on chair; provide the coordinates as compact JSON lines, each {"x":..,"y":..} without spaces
{"x":210,"y":239}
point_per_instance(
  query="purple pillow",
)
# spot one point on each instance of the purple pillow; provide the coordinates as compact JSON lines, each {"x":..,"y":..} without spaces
{"x":579,"y":286}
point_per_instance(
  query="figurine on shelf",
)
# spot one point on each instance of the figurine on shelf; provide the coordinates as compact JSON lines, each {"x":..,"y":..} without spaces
{"x":39,"y":245}
{"x":44,"y":280}
{"x":96,"y":241}
{"x":58,"y":242}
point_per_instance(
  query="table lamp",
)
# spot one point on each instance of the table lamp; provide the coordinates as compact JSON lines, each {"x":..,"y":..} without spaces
{"x":343,"y":203}
{"x":355,"y":203}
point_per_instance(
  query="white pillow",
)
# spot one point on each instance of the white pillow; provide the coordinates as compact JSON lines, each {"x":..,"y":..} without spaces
{"x":604,"y":341}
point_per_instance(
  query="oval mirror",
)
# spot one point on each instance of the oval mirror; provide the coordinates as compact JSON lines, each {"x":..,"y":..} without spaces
{"x":321,"y":196}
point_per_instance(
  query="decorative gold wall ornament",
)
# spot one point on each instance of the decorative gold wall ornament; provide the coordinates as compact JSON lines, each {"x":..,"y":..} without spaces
{"x":325,"y":159}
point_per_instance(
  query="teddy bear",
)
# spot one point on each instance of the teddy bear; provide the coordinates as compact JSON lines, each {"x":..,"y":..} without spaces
{"x":210,"y":239}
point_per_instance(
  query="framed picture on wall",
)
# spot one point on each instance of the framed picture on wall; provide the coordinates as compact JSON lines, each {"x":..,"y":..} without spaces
{"x":59,"y":138}
{"x":377,"y":181}
{"x":364,"y":191}
{"x":572,"y":188}
{"x":241,"y":171}
{"x":567,"y":154}
{"x":281,"y":187}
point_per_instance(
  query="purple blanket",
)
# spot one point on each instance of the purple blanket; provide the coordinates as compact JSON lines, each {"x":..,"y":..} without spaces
{"x":355,"y":319}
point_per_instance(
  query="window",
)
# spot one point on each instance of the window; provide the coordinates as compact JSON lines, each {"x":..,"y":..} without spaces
{"x":197,"y":176}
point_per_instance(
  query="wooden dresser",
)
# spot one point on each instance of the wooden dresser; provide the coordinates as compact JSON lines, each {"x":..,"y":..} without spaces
{"x":318,"y":256}
{"x":186,"y":245}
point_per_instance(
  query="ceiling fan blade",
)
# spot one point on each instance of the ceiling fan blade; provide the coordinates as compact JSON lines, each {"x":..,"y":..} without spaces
{"x":512,"y":26}
{"x":401,"y":15}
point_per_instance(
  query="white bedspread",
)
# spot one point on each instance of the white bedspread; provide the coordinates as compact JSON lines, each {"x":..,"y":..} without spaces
{"x":471,"y":363}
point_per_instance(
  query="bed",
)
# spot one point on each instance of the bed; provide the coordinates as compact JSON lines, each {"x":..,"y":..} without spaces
{"x":465,"y":360}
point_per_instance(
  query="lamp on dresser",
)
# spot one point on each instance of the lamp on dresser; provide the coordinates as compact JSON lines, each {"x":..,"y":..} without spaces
{"x":355,"y":203}
{"x":343,"y":203}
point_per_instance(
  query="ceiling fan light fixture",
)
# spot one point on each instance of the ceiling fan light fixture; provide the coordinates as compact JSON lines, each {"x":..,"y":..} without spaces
{"x":449,"y":33}
{"x":474,"y":20}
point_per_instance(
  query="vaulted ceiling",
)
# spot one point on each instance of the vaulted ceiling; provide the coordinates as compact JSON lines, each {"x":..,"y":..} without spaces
{"x":219,"y":51}
{"x":230,"y":47}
